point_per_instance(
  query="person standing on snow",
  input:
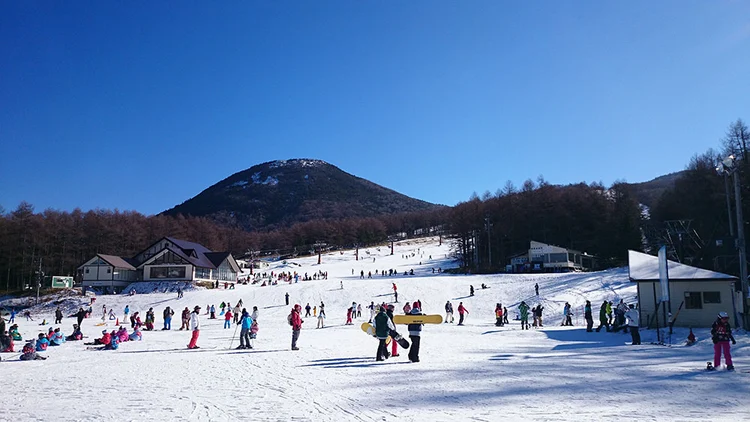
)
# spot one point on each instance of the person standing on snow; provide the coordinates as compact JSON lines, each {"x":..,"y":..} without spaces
{"x":185,"y":319}
{"x":127,"y":311}
{"x":505,"y":315}
{"x":348,"y":317}
{"x":383,"y":326}
{"x":448,"y":312}
{"x":195,"y":326}
{"x":58,"y":316}
{"x":228,"y":319}
{"x":307,"y":309}
{"x":499,"y":315}
{"x":296,"y":322}
{"x":394,"y":344}
{"x":236,"y":312}
{"x":80,"y":315}
{"x":536,"y":288}
{"x":721,"y":333}
{"x":603,"y":321}
{"x":168,"y":312}
{"x":524,"y":309}
{"x":247,"y":324}
{"x":254,"y":315}
{"x":415,"y":333}
{"x":633,"y":323}
{"x":461,"y":312}
{"x":588,"y":316}
{"x":286,"y":298}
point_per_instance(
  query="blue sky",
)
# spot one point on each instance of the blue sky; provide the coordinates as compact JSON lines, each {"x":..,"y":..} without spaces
{"x":142,"y":105}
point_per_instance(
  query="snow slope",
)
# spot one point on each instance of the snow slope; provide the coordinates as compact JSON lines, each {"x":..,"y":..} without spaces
{"x":474,"y":372}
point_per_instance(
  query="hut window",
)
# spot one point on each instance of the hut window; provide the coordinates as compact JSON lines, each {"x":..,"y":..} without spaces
{"x":711,"y":297}
{"x":693,"y":300}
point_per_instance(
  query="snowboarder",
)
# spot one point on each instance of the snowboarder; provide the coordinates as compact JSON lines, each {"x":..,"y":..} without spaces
{"x":76,"y":335}
{"x":415,"y":333}
{"x":524,"y":309}
{"x":536,"y":288}
{"x":588,"y":316}
{"x":461,"y":312}
{"x":195,"y":326}
{"x":296,"y":322}
{"x":383,"y":326}
{"x":633,"y":323}
{"x":721,"y":334}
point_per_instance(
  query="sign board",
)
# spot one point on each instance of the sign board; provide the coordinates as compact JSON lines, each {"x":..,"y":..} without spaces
{"x":663,"y":274}
{"x":62,"y":282}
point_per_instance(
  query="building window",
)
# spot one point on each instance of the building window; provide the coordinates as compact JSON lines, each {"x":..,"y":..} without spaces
{"x":109,"y":270}
{"x":167,"y":272}
{"x":693,"y":300}
{"x":711,"y":297}
{"x":87,"y":270}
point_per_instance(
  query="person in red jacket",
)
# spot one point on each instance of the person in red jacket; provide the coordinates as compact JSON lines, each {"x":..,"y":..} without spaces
{"x":296,"y":322}
{"x":348,"y":317}
{"x":461,"y":312}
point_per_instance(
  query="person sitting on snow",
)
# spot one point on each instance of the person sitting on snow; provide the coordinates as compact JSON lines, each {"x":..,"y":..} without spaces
{"x":113,"y":343}
{"x":136,"y":335}
{"x":105,"y":339}
{"x":77,"y":334}
{"x":14,"y":334}
{"x":57,"y":338}
{"x":122,"y":334}
{"x":29,"y":352}
{"x":6,"y":343}
{"x":42,"y":343}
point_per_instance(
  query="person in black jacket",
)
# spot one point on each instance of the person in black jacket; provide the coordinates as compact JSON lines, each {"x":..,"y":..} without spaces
{"x":415,"y":333}
{"x":721,"y":334}
{"x":80,"y":315}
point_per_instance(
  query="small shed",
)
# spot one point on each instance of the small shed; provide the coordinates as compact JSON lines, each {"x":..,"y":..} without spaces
{"x":703,"y":293}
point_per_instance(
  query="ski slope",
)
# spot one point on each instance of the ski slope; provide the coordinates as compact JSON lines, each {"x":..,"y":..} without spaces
{"x":472,"y":372}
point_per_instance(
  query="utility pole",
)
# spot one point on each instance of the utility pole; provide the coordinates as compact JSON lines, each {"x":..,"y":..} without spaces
{"x":488,"y":224}
{"x":39,"y":276}
{"x":729,"y":205}
{"x":741,"y":248}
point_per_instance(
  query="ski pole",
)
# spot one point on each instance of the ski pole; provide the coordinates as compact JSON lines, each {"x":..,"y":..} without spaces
{"x":233,"y":335}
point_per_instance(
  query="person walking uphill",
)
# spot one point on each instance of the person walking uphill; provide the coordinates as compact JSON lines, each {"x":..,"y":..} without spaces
{"x":286,"y":297}
{"x":721,"y":333}
{"x":195,"y":326}
{"x":461,"y":312}
{"x":295,"y":320}
{"x":383,"y":326}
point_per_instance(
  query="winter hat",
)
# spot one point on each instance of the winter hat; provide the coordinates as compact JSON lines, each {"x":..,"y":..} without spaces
{"x":195,"y":309}
{"x":723,"y":314}
{"x":104,"y":331}
{"x":415,"y":305}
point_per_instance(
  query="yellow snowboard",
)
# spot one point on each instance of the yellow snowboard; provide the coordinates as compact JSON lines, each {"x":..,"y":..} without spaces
{"x":369,"y":329}
{"x":417,"y":319}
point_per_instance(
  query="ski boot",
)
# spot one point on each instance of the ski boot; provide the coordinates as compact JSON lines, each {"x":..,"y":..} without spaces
{"x":730,"y":367}
{"x":710,"y":366}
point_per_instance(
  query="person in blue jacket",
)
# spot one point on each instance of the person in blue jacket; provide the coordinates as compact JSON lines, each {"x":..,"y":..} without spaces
{"x":247,"y":323}
{"x":42,"y":343}
{"x":57,"y":338}
{"x":113,"y":343}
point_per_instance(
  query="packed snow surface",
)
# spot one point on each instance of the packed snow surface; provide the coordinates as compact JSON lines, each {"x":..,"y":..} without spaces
{"x":472,"y":372}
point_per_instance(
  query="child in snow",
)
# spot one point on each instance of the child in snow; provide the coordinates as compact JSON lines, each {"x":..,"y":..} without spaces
{"x":348,"y":317}
{"x":122,"y":334}
{"x":42,"y":343}
{"x":228,"y":319}
{"x":76,"y":335}
{"x":29,"y":352}
{"x":14,"y":334}
{"x":57,"y":338}
{"x":721,"y":334}
{"x":136,"y":335}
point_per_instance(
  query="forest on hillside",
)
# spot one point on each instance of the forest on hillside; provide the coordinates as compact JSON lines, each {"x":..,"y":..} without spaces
{"x":691,"y":218}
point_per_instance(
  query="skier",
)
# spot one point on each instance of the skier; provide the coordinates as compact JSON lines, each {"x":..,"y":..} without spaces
{"x":167,"y":314}
{"x":588,"y":316}
{"x":603,"y":322}
{"x":247,"y":324}
{"x":383,"y":326}
{"x":539,"y":309}
{"x":195,"y":326}
{"x":524,"y":309}
{"x":461,"y":312}
{"x":721,"y":334}
{"x":354,"y":310}
{"x":536,"y":288}
{"x":415,"y":332}
{"x":633,"y":323}
{"x":307,"y":309}
{"x":296,"y":322}
{"x":228,"y":319}
{"x":58,"y":316}
{"x":286,"y":297}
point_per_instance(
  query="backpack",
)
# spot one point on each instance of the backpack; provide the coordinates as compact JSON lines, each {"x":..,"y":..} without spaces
{"x":27,"y":348}
{"x":289,"y":319}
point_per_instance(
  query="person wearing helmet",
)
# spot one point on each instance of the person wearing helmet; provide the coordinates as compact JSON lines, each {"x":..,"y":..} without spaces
{"x":721,"y":334}
{"x":296,"y":322}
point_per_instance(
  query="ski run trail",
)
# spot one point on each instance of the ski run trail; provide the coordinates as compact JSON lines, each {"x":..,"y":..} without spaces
{"x":475,"y":372}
